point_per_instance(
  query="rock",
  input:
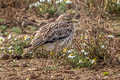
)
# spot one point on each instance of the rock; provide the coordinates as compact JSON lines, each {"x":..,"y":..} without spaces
{"x":16,"y":56}
{"x":4,"y":56}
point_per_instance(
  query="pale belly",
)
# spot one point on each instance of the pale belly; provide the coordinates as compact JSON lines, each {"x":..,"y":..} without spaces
{"x":59,"y":45}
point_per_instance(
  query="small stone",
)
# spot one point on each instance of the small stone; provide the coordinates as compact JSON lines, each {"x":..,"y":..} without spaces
{"x":25,"y":65}
{"x":32,"y":76}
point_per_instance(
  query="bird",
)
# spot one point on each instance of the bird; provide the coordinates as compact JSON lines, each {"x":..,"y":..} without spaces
{"x":54,"y":36}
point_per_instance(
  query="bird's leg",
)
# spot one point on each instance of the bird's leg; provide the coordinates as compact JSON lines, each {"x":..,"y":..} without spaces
{"x":28,"y":52}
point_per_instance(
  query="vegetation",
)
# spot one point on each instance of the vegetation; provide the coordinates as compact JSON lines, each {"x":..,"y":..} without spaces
{"x":91,"y":46}
{"x":96,"y":42}
{"x":94,"y":50}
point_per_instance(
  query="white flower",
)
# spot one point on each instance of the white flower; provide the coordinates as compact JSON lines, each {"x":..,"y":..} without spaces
{"x":26,"y":37}
{"x":30,"y":5}
{"x":68,"y":2}
{"x":102,"y":46}
{"x":30,"y":52}
{"x":86,"y":53}
{"x":36,"y":4}
{"x":15,"y":39}
{"x":9,"y":36}
{"x":61,"y":0}
{"x":57,"y":2}
{"x":111,"y":36}
{"x":80,"y":61}
{"x":42,"y":0}
{"x":82,"y":50}
{"x":71,"y":56}
{"x":93,"y":61}
{"x":2,"y":39}
{"x":10,"y":47}
{"x":81,"y":34}
{"x":118,"y":2}
{"x":10,"y":51}
{"x":48,"y":1}
{"x":70,"y":51}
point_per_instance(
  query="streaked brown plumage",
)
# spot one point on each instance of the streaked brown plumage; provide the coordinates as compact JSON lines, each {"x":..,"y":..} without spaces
{"x":54,"y":36}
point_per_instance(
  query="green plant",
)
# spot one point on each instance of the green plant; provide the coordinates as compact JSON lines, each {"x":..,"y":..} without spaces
{"x":77,"y":60}
{"x":47,"y":8}
{"x":16,"y":30}
{"x":2,"y":20}
{"x":95,"y":44}
{"x":112,"y":6}
{"x":3,"y":28}
{"x":16,"y":45}
{"x":92,"y":47}
{"x":51,"y":7}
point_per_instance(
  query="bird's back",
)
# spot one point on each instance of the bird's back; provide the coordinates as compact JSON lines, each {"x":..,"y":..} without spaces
{"x":52,"y":32}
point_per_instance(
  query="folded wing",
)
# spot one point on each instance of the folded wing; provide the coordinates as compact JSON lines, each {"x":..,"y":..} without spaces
{"x":53,"y":32}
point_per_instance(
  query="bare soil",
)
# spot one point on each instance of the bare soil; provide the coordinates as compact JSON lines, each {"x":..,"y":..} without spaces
{"x":46,"y":69}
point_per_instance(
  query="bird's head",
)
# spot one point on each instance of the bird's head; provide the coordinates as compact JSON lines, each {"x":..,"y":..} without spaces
{"x":67,"y":17}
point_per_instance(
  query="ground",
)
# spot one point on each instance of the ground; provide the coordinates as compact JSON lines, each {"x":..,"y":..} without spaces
{"x":46,"y":69}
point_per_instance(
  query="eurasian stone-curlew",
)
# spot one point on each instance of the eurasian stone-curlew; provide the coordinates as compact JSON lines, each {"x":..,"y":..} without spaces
{"x":54,"y":36}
